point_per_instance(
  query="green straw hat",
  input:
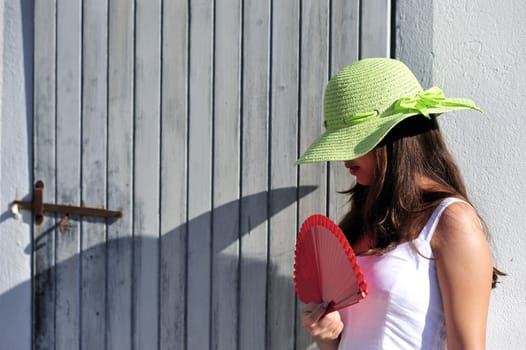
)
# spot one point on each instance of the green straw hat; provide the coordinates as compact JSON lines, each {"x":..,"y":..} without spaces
{"x":365,"y":100}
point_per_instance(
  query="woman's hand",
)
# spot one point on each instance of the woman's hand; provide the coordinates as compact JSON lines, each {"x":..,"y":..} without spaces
{"x":325,"y":330}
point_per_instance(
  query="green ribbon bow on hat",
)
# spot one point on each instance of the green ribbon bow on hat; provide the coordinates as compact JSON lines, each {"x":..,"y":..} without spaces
{"x":432,"y":98}
{"x":431,"y":101}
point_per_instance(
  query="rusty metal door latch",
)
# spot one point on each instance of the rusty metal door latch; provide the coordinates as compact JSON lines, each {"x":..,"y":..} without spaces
{"x":39,"y":208}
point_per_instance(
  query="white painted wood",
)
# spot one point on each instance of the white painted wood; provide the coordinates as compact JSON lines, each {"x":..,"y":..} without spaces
{"x":255,"y":172}
{"x":120,"y":173}
{"x":68,"y":152}
{"x":314,"y":68}
{"x":344,"y":51}
{"x":283,"y":153}
{"x":146,"y":174}
{"x":200,"y":173}
{"x":345,"y":30}
{"x":226,"y":179}
{"x":44,"y":169}
{"x":189,"y":118}
{"x":375,"y":27}
{"x":94,"y":138}
{"x":174,"y":152}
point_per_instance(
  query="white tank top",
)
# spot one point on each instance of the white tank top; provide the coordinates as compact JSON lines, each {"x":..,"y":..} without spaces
{"x":403,"y":309}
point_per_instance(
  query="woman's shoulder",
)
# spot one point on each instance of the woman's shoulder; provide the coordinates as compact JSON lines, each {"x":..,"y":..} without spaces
{"x":458,"y":224}
{"x":459,"y":212}
{"x":458,"y":209}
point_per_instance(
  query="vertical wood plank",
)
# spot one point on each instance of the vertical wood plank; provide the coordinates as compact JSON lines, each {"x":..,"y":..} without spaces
{"x":94,"y":119}
{"x":284,"y":150}
{"x":375,"y":31}
{"x":225,"y":253}
{"x":314,"y":72}
{"x":344,"y":51}
{"x":200,"y":173}
{"x":345,"y":30}
{"x":120,"y":181}
{"x":44,"y":169}
{"x":146,"y":174}
{"x":314,"y":67}
{"x":174,"y":153}
{"x":68,"y":150}
{"x":255,"y":136}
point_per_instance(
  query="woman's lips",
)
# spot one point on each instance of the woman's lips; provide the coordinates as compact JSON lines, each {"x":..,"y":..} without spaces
{"x":353,"y":169}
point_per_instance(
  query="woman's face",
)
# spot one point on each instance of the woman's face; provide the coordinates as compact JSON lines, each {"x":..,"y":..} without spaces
{"x":362,"y":168}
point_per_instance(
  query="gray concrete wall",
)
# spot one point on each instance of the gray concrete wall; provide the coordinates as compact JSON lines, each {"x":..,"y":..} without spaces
{"x":15,"y":172}
{"x":477,"y":49}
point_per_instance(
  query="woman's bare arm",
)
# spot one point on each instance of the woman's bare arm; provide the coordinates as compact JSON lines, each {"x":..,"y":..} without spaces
{"x":464,"y":269}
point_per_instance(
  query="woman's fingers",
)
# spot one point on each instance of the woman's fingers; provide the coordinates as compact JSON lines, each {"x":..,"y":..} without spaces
{"x":320,"y":325}
{"x":318,"y":312}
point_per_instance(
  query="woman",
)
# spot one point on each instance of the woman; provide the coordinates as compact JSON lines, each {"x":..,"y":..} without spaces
{"x":420,"y":244}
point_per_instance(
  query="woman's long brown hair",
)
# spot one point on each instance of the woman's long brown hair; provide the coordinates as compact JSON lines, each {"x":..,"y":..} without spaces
{"x":397,"y":205}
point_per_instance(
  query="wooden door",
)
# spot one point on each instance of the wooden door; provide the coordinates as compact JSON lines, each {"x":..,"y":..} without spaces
{"x":188,"y":116}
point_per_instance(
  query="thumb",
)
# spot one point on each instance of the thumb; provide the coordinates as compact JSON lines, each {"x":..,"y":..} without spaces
{"x":318,"y":311}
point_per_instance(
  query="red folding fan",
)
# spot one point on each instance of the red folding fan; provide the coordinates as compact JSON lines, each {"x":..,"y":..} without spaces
{"x":325,"y":268}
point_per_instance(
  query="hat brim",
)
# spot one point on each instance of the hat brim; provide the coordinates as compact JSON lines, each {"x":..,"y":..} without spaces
{"x":354,"y":141}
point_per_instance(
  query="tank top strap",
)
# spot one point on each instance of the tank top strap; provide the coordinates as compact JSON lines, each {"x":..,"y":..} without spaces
{"x":429,"y":228}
